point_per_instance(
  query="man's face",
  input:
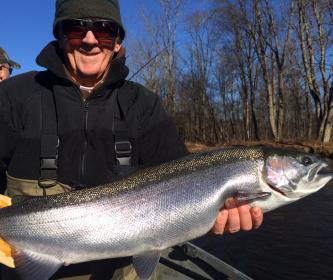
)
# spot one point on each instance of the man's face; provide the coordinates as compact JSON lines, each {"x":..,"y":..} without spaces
{"x":89,"y":60}
{"x":4,"y":72}
{"x":88,"y":56}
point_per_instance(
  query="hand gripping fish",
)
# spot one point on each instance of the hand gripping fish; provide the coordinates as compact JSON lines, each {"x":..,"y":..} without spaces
{"x":151,"y":210}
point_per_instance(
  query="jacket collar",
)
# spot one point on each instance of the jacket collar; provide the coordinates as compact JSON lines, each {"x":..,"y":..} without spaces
{"x":52,"y":58}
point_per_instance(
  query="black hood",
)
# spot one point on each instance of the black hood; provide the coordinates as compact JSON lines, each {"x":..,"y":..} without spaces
{"x":52,"y":58}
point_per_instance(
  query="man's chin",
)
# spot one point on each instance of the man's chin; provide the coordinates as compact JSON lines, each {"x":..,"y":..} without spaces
{"x":89,"y":76}
{"x":89,"y":72}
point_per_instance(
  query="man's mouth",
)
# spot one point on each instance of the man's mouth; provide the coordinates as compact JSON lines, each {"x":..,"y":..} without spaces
{"x":89,"y":51}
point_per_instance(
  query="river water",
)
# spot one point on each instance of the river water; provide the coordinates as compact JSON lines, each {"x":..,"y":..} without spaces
{"x":294,"y":242}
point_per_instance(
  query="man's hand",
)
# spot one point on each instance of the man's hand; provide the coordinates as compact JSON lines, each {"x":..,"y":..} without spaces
{"x":233,"y":218}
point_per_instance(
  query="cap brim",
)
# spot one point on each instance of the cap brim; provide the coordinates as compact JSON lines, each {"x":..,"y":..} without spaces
{"x":11,"y":63}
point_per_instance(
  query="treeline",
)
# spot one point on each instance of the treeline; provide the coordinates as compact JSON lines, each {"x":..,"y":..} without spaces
{"x":242,"y":70}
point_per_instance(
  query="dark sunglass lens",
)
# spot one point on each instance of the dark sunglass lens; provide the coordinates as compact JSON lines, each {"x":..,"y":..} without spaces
{"x":75,"y":42}
{"x":73,"y":29}
{"x":105,"y":29}
{"x":106,"y":42}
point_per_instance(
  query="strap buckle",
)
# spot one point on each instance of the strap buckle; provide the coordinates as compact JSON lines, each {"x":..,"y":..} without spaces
{"x":48,"y":163}
{"x":123,"y":150}
{"x":48,"y":173}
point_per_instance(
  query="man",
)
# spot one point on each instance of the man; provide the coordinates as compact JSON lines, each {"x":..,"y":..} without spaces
{"x":6,"y":65}
{"x":105,"y":126}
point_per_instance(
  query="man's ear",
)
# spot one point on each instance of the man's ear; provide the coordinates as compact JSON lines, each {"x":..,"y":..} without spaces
{"x":117,"y":47}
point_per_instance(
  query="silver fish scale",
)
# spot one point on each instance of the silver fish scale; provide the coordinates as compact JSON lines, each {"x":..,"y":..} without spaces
{"x":186,"y":165}
{"x":151,"y":210}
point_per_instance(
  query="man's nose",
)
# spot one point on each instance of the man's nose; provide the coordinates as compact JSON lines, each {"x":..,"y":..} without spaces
{"x":90,"y":38}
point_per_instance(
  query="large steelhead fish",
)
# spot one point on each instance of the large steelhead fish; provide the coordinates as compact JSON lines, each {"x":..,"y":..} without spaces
{"x":151,"y":210}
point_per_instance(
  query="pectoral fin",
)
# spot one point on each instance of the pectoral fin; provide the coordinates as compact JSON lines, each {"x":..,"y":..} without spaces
{"x":242,"y":196}
{"x":5,"y":201}
{"x":145,"y":264}
{"x":33,"y":265}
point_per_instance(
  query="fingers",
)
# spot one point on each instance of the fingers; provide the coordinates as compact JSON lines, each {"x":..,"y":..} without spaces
{"x":233,"y":223}
{"x":245,"y":217}
{"x":220,"y":222}
{"x":257,"y":217}
{"x":235,"y":217}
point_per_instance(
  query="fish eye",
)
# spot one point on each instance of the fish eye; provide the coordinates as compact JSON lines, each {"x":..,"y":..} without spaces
{"x":307,"y":161}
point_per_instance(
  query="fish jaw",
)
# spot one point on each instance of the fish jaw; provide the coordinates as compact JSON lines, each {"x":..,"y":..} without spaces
{"x":290,"y":178}
{"x":319,"y":181}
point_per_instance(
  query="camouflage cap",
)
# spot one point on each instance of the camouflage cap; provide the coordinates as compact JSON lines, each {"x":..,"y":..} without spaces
{"x":4,"y":58}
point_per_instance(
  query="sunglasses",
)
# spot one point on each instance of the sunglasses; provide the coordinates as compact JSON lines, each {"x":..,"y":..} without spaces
{"x":104,"y":30}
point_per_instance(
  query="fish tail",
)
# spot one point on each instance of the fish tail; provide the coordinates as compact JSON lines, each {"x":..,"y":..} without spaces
{"x":6,"y":254}
{"x":5,"y":201}
{"x":5,"y":249}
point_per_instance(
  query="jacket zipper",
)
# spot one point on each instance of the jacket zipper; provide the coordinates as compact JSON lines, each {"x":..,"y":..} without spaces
{"x":85,"y":131}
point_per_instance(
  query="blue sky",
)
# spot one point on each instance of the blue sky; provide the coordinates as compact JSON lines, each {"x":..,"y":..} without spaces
{"x":26,"y":27}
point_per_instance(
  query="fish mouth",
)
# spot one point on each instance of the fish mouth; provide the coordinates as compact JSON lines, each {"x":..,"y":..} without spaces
{"x":325,"y":171}
{"x":320,"y":167}
{"x":322,"y":171}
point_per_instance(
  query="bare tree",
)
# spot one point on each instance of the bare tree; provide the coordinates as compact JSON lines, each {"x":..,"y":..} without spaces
{"x":271,"y":46}
{"x":147,"y":64}
{"x":161,"y":73}
{"x":171,"y":11}
{"x":200,"y":65}
{"x":314,"y":43}
{"x":242,"y":47}
{"x":253,"y":69}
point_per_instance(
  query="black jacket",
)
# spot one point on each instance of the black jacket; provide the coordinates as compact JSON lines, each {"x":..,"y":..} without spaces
{"x":86,"y":151}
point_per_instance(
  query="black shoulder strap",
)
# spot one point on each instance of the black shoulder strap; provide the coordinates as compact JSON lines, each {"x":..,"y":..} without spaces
{"x":123,"y":142}
{"x":49,"y":141}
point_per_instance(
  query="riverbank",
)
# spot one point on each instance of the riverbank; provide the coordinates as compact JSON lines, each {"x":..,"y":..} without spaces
{"x":309,"y":147}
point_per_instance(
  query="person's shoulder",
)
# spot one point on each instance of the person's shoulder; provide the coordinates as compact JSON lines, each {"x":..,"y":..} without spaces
{"x":19,"y":82}
{"x":22,"y":77}
{"x":23,"y":87}
{"x":138,"y":98}
{"x":133,"y":92}
{"x":130,"y":86}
